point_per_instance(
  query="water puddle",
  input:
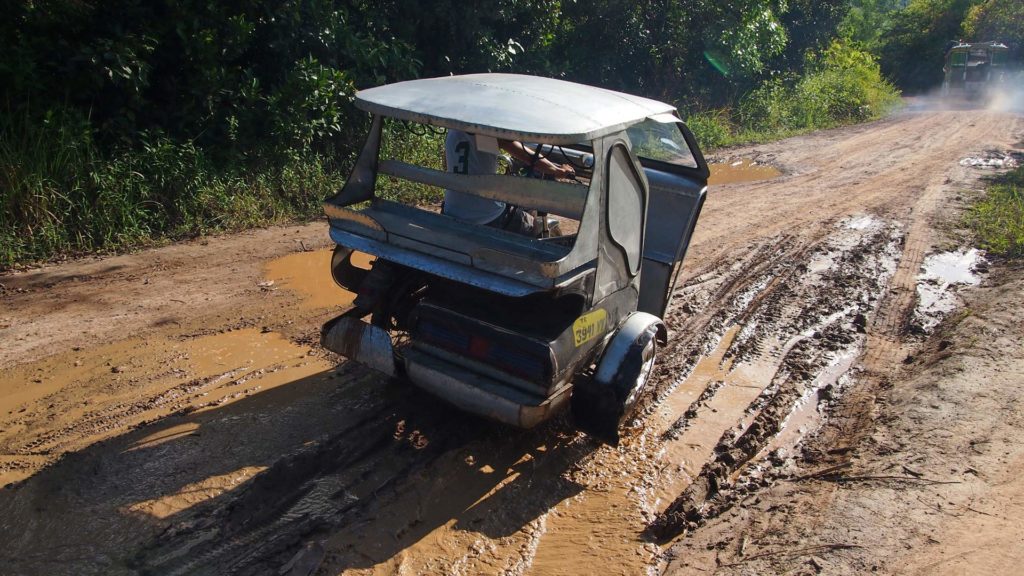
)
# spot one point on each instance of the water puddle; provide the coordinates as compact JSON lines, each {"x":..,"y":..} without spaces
{"x":744,"y":170}
{"x":995,"y":160}
{"x":309,"y":274}
{"x":952,"y":267}
{"x":940,"y":273}
{"x":862,"y":223}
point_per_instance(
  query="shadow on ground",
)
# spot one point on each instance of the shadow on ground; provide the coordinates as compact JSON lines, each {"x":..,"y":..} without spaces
{"x":339,"y":455}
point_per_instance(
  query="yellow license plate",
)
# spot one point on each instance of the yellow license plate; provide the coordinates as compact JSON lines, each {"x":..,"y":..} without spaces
{"x":589,"y":326}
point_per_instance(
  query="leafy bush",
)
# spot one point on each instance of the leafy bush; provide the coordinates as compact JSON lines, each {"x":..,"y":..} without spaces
{"x":768,"y":108}
{"x":43,"y":170}
{"x":712,"y":129}
{"x":841,"y":85}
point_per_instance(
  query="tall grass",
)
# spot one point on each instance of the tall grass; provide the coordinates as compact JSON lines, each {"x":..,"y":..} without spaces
{"x":59,"y":194}
{"x":998,"y":218}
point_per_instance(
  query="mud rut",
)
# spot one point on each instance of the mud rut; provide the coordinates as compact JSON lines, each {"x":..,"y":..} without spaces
{"x":769,"y":329}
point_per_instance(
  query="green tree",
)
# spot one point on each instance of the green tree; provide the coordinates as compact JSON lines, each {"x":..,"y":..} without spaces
{"x":914,"y":44}
{"x":1001,"y":20}
{"x":866,"y":20}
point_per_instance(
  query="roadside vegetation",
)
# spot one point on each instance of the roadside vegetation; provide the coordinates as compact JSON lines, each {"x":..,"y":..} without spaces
{"x":998,"y":217}
{"x":840,"y":85}
{"x":128,"y":123}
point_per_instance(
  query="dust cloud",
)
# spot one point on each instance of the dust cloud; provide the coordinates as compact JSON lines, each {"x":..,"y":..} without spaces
{"x":1007,"y":96}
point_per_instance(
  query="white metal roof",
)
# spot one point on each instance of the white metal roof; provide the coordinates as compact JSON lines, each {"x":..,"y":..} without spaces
{"x":512,"y":106}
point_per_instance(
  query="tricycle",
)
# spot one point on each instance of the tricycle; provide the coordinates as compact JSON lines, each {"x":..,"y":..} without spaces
{"x":509,"y":325}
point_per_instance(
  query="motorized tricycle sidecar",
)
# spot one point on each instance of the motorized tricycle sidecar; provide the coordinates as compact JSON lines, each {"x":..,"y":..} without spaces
{"x":509,"y":326}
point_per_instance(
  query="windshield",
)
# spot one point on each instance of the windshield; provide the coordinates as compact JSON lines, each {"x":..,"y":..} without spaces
{"x":660,"y":141}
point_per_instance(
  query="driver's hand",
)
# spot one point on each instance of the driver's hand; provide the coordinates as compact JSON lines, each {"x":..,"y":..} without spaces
{"x":563,"y":171}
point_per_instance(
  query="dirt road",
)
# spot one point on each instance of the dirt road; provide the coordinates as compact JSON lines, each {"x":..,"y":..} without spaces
{"x":170,"y":412}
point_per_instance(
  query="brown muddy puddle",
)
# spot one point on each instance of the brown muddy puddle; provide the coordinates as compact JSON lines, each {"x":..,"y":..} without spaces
{"x":309,"y":274}
{"x":738,"y":171}
{"x":66,"y":402}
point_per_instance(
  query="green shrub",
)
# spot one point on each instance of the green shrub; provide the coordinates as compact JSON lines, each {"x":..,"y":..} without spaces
{"x":841,"y":85}
{"x":768,"y":108}
{"x":44,"y":166}
{"x":711,"y":128}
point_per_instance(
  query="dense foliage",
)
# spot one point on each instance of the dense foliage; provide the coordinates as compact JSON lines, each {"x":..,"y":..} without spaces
{"x":132,"y":120}
{"x":911,"y":41}
{"x":840,"y":85}
{"x":1001,"y":20}
{"x":916,"y":40}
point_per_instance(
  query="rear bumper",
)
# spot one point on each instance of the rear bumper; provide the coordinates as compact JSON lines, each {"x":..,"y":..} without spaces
{"x":480,"y":394}
{"x":467,"y":389}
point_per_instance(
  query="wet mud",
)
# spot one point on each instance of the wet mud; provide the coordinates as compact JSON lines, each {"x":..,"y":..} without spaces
{"x":67,"y":402}
{"x":225,"y":441}
{"x":784,"y":320}
{"x":804,"y":326}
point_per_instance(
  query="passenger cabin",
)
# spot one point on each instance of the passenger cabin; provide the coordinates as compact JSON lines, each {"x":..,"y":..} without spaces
{"x":641,"y":152}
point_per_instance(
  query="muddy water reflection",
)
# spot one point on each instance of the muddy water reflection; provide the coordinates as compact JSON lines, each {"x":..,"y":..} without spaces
{"x":309,"y":274}
{"x":741,"y":171}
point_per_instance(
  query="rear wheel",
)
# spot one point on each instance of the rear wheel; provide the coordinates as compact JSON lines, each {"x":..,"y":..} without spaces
{"x":601,"y":408}
{"x":642,"y":377}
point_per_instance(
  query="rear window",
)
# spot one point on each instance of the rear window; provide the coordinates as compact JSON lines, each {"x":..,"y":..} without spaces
{"x":664,"y":142}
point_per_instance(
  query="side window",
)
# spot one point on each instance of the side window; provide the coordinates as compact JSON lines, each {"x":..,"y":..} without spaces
{"x":626,"y":206}
{"x":661,"y":141}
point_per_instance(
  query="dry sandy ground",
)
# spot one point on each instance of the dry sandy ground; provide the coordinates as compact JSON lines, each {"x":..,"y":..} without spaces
{"x":169,"y":412}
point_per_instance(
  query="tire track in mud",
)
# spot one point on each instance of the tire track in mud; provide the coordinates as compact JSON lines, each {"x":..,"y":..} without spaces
{"x":761,"y":292}
{"x":743,"y":366}
{"x":756,"y":313}
{"x":324,"y":493}
{"x":364,"y":483}
{"x":195,"y":374}
{"x":812,"y":320}
{"x":311,"y":492}
{"x":126,"y":415}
